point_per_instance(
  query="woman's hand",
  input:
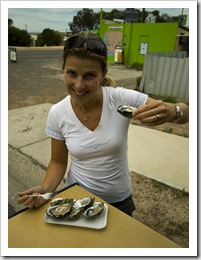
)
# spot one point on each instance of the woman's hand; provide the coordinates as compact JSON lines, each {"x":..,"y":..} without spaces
{"x":155,"y":113}
{"x":32,"y":202}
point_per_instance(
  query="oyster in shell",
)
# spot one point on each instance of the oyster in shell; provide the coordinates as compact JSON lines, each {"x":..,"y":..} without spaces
{"x":75,"y":214}
{"x":94,"y":211}
{"x":126,"y":111}
{"x":60,"y":208}
{"x":84,"y":203}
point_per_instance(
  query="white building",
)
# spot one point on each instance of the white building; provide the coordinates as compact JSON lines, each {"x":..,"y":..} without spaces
{"x":34,"y":36}
{"x":150,"y":18}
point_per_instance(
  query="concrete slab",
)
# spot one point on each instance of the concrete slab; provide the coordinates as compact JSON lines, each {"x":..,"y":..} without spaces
{"x":27,"y":125}
{"x":23,"y":173}
{"x":160,"y":156}
{"x":39,"y":151}
{"x":123,"y":73}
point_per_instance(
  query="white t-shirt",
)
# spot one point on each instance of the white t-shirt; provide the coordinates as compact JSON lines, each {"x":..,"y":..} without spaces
{"x":98,"y":158}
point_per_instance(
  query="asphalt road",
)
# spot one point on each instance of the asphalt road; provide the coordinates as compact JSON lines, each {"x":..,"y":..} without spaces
{"x":37,"y":77}
{"x":31,"y":55}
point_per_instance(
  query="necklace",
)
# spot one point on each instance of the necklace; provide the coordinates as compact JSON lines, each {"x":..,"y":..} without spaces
{"x":86,"y":118}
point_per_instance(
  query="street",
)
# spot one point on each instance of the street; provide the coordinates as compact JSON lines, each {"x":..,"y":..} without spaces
{"x":37,"y":77}
{"x":34,"y":55}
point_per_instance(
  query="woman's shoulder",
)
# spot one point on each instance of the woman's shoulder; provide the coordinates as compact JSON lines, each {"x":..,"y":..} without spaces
{"x":119,"y":91}
{"x":122,"y":95}
{"x":61,"y":105}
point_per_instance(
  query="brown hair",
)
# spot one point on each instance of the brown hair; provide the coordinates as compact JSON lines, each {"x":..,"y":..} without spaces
{"x":83,"y":53}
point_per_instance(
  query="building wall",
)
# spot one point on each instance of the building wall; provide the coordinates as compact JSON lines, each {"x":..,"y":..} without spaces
{"x":137,"y":38}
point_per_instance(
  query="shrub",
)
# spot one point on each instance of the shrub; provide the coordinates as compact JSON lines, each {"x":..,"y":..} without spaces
{"x":137,"y":66}
{"x":170,"y":99}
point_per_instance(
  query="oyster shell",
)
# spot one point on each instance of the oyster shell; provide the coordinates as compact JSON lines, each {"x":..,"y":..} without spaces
{"x":94,"y":211}
{"x":84,"y":203}
{"x":126,"y":111}
{"x":61,"y":201}
{"x":75,"y":213}
{"x":60,"y":208}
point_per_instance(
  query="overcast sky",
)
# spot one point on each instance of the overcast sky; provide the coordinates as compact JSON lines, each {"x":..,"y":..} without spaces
{"x":37,"y":19}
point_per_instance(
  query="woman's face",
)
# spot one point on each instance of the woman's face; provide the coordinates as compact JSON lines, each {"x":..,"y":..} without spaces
{"x":82,"y":78}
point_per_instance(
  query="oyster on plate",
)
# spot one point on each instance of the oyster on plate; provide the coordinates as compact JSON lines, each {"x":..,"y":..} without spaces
{"x":126,"y":111}
{"x":75,"y":214}
{"x":94,"y":211}
{"x":60,"y":208}
{"x":70,"y":209}
{"x":84,"y":203}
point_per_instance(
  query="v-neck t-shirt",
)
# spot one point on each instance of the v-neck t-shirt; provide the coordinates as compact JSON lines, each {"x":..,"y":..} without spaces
{"x":99,"y":160}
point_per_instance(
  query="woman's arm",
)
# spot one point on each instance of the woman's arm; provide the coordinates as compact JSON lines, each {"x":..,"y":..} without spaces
{"x":156,"y":112}
{"x":54,"y":175}
{"x":57,"y":166}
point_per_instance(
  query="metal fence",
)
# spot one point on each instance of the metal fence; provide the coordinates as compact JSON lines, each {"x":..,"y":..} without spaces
{"x":166,"y":74}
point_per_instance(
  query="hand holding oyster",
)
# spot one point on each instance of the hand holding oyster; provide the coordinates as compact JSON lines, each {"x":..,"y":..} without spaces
{"x":126,"y":111}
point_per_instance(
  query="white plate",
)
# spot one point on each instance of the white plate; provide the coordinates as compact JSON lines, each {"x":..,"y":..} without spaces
{"x":97,"y":223}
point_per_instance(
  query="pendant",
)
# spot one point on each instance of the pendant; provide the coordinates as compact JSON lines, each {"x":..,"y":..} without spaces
{"x":86,"y":118}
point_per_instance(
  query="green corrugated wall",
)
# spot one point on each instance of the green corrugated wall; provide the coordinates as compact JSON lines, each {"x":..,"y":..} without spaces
{"x":160,"y":37}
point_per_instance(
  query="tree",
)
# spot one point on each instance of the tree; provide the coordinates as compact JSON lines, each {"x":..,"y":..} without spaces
{"x":49,"y":37}
{"x":115,"y":13}
{"x":85,"y":19}
{"x":10,"y":22}
{"x":17,"y":37}
{"x":39,"y":41}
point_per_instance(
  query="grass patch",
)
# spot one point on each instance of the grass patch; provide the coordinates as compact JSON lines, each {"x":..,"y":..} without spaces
{"x":137,"y":66}
{"x":170,"y":99}
{"x":138,"y":80}
{"x":176,"y":228}
{"x":168,"y":130}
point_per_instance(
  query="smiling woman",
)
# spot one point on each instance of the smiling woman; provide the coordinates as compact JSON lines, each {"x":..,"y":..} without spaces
{"x":86,"y":125}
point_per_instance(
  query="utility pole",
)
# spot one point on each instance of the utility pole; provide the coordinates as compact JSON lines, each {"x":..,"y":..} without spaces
{"x":101,"y":15}
{"x":143,"y":13}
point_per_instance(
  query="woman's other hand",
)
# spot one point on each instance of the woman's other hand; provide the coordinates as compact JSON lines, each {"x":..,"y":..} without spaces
{"x":32,"y":202}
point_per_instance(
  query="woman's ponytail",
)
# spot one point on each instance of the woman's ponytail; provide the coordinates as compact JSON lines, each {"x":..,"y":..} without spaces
{"x":107,"y":81}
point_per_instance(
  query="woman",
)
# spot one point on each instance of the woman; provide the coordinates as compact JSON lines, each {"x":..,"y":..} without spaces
{"x":86,"y":125}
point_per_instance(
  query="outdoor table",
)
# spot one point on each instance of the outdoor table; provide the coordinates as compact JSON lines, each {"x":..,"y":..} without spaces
{"x":29,"y":230}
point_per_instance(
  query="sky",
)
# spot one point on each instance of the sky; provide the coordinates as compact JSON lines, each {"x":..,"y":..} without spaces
{"x":37,"y":19}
